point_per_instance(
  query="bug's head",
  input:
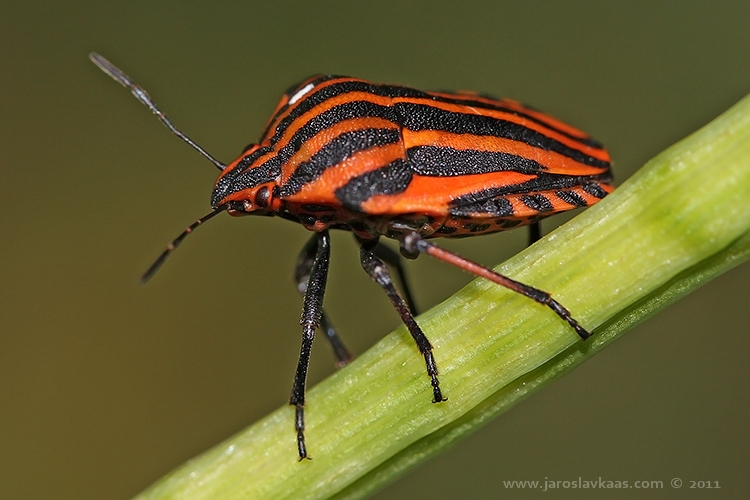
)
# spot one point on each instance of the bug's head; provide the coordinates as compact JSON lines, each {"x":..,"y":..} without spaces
{"x":250,"y":183}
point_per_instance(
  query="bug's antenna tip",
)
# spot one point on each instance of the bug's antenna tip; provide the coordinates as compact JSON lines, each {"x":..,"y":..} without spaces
{"x":100,"y":61}
{"x":119,"y":76}
{"x":159,"y":261}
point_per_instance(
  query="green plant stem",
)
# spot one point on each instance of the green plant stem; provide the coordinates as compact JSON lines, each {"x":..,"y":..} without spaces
{"x":680,"y":221}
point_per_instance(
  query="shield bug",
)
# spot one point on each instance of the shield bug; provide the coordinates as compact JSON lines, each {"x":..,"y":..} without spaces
{"x":400,"y":163}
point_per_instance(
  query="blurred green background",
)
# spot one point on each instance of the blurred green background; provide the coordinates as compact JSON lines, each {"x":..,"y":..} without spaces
{"x":106,"y":385}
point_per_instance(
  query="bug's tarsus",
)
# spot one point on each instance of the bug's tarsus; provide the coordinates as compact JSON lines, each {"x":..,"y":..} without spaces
{"x":378,"y":271}
{"x":565,"y":314}
{"x":118,"y":75}
{"x":176,"y":242}
{"x":414,"y":242}
{"x":312,"y":310}
{"x":302,"y":271}
{"x":299,"y":425}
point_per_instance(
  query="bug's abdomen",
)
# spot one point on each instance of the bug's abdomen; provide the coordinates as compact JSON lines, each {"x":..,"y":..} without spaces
{"x":470,"y":215}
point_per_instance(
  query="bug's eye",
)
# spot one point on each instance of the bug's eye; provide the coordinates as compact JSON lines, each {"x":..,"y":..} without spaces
{"x":247,"y":148}
{"x":263,"y":197}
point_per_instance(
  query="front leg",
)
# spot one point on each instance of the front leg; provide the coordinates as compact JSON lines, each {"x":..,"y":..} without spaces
{"x":302,"y":271}
{"x":312,"y":311}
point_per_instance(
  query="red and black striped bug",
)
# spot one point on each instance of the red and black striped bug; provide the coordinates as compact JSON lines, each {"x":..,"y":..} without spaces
{"x":392,"y":161}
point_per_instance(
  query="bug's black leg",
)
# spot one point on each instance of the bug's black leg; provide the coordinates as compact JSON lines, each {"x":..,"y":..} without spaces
{"x":378,"y":271}
{"x":302,"y":272}
{"x":415,"y":243}
{"x":535,"y":232}
{"x":312,"y":310}
{"x":393,"y":258}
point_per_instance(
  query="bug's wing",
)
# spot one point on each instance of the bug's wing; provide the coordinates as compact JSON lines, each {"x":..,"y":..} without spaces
{"x":444,"y":133}
{"x":464,"y":149}
{"x":523,"y":114}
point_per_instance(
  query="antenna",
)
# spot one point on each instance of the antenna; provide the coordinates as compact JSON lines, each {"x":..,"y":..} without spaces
{"x":176,"y":242}
{"x":143,"y":96}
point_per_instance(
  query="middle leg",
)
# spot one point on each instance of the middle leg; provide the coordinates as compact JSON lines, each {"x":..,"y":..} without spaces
{"x":379,"y":273}
{"x":394,"y":259}
{"x":312,"y":310}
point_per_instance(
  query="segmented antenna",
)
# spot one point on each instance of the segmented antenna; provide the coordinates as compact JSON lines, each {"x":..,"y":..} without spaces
{"x":143,"y":96}
{"x":176,"y":242}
